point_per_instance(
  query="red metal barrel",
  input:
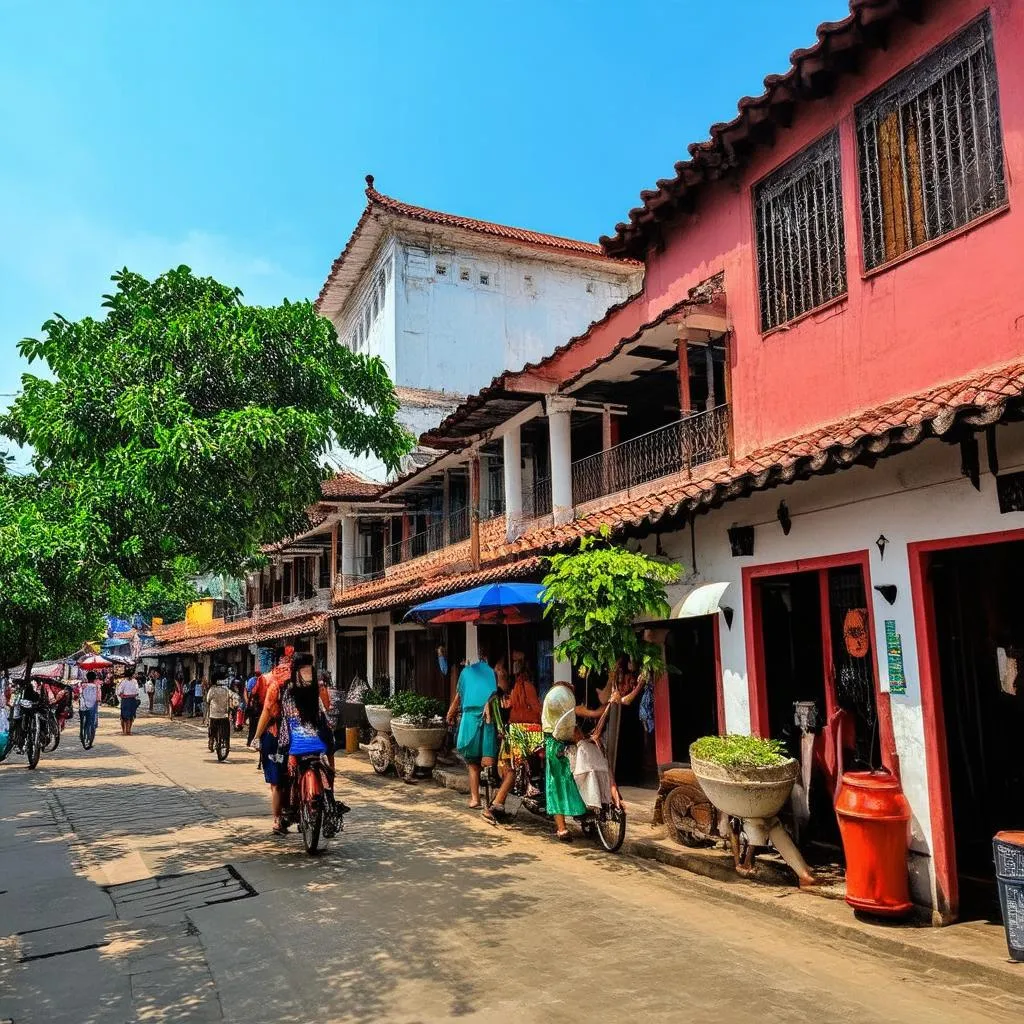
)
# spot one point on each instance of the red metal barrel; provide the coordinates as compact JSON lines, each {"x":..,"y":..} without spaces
{"x":873,"y":816}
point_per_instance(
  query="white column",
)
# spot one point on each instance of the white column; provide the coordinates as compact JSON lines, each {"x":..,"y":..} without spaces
{"x":332,"y":651}
{"x":485,"y":487}
{"x":349,"y":540}
{"x":562,"y":669}
{"x":513,"y":454}
{"x":471,"y":643}
{"x":560,"y":439}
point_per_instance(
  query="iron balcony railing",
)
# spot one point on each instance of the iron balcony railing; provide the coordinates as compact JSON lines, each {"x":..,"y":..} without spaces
{"x":537,"y":500}
{"x":435,"y":537}
{"x":676,"y":448}
{"x":364,"y":569}
{"x":313,"y":600}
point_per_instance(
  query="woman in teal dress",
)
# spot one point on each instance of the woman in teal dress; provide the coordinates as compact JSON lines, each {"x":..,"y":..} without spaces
{"x":477,"y":740}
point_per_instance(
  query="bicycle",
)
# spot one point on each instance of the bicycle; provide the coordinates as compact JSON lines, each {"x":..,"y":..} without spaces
{"x":219,"y":731}
{"x":606,"y":825}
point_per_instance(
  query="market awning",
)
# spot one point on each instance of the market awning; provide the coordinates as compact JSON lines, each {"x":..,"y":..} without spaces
{"x":703,"y":599}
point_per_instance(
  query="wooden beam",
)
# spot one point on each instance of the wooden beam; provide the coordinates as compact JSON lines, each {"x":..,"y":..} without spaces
{"x":683,"y":369}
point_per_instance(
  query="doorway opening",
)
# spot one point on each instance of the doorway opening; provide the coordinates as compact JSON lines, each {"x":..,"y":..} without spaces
{"x":978,"y":635}
{"x":815,"y":668}
{"x":691,"y":657}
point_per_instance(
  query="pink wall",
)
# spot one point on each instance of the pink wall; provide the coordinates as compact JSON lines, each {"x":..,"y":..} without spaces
{"x":938,"y":315}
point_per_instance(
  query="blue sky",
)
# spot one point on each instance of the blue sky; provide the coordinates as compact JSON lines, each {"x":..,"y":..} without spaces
{"x":235,"y":136}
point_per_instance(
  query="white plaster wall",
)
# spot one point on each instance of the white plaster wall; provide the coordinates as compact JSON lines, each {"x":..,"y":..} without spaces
{"x":457,"y":333}
{"x":917,"y":496}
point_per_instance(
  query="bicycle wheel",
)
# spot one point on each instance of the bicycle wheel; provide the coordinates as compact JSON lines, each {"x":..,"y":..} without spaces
{"x":34,"y":742}
{"x":223,"y":742}
{"x":610,"y":826}
{"x":311,"y":819}
{"x":51,"y":733}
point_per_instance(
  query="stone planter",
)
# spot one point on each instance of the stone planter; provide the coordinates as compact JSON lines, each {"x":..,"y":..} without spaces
{"x":425,"y":740}
{"x":746,"y":792}
{"x":379,"y":717}
{"x":755,"y":795}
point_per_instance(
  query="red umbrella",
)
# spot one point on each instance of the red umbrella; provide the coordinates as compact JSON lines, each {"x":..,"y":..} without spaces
{"x":91,"y":662}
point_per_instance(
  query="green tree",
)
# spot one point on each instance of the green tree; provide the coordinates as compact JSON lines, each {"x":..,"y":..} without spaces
{"x":54,"y":587}
{"x":194,"y":425}
{"x":594,"y":598}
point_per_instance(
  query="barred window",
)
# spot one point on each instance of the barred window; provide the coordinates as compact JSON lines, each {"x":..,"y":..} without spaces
{"x":801,"y":244}
{"x":930,"y":148}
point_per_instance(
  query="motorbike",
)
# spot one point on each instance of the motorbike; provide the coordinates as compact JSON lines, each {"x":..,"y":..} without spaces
{"x":30,"y":730}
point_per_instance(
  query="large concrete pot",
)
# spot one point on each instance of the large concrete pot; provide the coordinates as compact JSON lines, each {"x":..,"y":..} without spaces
{"x":379,"y":717}
{"x":746,"y":792}
{"x":756,"y":795}
{"x":425,"y":740}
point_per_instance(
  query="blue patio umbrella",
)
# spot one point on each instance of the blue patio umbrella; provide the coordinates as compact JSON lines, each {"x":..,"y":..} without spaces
{"x":501,"y":604}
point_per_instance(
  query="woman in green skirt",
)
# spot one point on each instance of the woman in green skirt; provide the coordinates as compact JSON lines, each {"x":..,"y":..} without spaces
{"x":558,"y":720}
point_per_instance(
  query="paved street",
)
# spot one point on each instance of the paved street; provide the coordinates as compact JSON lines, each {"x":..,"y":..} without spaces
{"x":139,"y":882}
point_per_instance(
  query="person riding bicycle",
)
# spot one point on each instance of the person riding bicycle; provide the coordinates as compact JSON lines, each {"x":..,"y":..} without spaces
{"x":89,"y":696}
{"x":220,"y":701}
{"x":292,"y":718}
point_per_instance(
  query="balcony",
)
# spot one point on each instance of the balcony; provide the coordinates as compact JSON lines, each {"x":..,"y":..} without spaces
{"x":438,"y":535}
{"x":315,"y":600}
{"x":676,"y":448}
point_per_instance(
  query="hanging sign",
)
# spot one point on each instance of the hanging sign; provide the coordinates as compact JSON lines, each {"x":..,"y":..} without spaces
{"x":894,"y":657}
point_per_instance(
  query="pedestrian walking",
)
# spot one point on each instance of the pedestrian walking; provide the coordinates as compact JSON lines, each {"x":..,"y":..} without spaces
{"x":197,"y":696}
{"x":88,"y":703}
{"x":151,"y":688}
{"x":128,"y":691}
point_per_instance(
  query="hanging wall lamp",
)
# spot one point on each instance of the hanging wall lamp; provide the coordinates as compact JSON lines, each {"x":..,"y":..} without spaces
{"x":880,"y":544}
{"x":888,"y":591}
{"x":727,"y":614}
{"x":784,"y":518}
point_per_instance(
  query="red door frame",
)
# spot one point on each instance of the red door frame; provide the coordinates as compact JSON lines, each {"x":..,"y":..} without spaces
{"x":940,"y":803}
{"x":758,"y":691}
{"x":662,"y":702}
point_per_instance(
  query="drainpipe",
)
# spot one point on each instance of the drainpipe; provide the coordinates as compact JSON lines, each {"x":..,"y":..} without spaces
{"x":349,"y":538}
{"x":334,"y":559}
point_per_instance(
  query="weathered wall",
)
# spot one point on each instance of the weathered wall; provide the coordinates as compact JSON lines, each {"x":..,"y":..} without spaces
{"x":486,"y":313}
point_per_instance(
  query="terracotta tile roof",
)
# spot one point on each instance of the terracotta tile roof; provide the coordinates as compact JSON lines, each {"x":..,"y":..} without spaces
{"x":447,"y":583}
{"x":247,"y":633}
{"x":524,"y":236}
{"x":377,"y":203}
{"x":427,"y":398}
{"x":812,"y":73}
{"x":347,"y":484}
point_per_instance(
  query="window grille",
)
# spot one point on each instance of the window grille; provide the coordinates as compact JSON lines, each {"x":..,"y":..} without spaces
{"x":930,"y":148}
{"x":801,"y":244}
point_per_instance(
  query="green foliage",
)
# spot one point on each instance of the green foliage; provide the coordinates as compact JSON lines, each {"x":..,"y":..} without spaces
{"x":376,"y":698}
{"x":415,"y":706}
{"x":735,"y":751}
{"x":54,"y":584}
{"x":595,"y":596}
{"x":193,"y":425}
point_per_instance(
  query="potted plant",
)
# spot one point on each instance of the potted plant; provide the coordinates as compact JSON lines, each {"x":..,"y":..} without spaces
{"x":378,"y":710}
{"x":751,"y":779}
{"x":418,"y":723}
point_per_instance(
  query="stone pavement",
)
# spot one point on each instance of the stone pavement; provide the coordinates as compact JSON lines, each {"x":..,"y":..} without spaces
{"x":139,"y":882}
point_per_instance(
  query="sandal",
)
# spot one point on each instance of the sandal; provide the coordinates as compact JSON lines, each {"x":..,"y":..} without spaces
{"x":475,"y":807}
{"x":564,"y":837}
{"x":495,"y":815}
{"x":280,"y":830}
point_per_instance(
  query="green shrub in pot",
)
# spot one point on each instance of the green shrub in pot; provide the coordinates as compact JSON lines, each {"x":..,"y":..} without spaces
{"x":415,"y":709}
{"x":737,"y":751}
